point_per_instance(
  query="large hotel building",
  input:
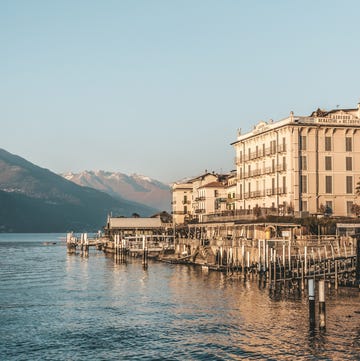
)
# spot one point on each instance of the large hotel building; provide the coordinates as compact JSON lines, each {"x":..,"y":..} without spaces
{"x":301,"y":165}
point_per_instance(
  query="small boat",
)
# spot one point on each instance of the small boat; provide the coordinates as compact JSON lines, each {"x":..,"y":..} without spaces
{"x":48,"y":243}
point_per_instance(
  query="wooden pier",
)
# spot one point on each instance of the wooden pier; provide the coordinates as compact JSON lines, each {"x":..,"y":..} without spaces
{"x":287,"y":261}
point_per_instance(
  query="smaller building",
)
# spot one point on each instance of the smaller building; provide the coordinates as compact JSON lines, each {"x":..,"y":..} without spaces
{"x":127,"y":227}
{"x":206,"y":194}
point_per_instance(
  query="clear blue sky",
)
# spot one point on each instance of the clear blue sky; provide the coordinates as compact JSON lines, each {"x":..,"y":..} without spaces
{"x":161,"y":87}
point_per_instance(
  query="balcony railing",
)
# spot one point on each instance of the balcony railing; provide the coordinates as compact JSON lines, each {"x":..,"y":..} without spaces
{"x":282,"y":148}
{"x":262,"y":193}
{"x":281,"y":167}
{"x":230,"y":215}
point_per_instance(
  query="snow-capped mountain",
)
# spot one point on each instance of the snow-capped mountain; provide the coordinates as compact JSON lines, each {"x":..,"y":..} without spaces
{"x":133,"y":187}
{"x":34,"y":199}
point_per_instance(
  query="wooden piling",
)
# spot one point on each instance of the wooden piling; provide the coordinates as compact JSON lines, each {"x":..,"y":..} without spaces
{"x":322,"y":313}
{"x":311,"y":295}
{"x":336,"y":275}
{"x":145,"y":255}
{"x":358,"y":261}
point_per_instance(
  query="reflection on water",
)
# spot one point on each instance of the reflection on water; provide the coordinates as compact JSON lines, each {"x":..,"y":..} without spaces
{"x":55,"y":306}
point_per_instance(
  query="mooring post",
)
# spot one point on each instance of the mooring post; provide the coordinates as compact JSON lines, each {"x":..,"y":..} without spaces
{"x":322,"y":312}
{"x":302,"y":276}
{"x":358,"y":260}
{"x":311,"y":292}
{"x":274,"y":259}
{"x":145,"y":261}
{"x":336,"y":275}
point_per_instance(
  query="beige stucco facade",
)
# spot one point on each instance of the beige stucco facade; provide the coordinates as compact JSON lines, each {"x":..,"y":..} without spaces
{"x":198,"y":196}
{"x":300,"y":164}
{"x":181,"y":201}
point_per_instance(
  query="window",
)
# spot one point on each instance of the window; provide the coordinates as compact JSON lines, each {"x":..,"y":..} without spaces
{"x":257,"y":151}
{"x":272,"y":185}
{"x":263,"y":150}
{"x":349,"y":184}
{"x":216,"y":193}
{"x":303,"y":142}
{"x":303,"y":162}
{"x":240,"y":157}
{"x":349,"y":208}
{"x":284,"y":144}
{"x":185,"y":209}
{"x":303,"y":185}
{"x":284,"y":185}
{"x":328,"y":207}
{"x":328,"y":144}
{"x":348,"y":144}
{"x":348,"y":163}
{"x":240,"y":173}
{"x":273,"y":146}
{"x":328,"y":165}
{"x":273,"y":165}
{"x":328,"y":184}
{"x":304,"y":206}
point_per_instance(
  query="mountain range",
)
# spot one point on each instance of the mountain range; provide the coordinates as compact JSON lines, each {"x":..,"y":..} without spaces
{"x":34,"y":199}
{"x":133,"y":187}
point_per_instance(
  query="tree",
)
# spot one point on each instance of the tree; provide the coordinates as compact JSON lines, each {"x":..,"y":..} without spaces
{"x":357,"y":188}
{"x":355,"y":209}
{"x":257,"y":211}
{"x":325,"y":210}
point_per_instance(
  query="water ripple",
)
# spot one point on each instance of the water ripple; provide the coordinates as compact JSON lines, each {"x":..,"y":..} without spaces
{"x":55,"y":306}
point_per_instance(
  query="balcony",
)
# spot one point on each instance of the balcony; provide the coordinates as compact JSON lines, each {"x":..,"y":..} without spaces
{"x":255,"y":172}
{"x":244,"y":214}
{"x":199,"y":199}
{"x":282,"y":148}
{"x":200,"y":210}
{"x":281,"y":167}
{"x":238,"y":160}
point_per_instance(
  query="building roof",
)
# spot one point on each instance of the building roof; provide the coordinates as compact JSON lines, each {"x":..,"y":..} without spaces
{"x":134,"y":223}
{"x":213,"y":185}
{"x":323,"y":113}
{"x":316,"y":118}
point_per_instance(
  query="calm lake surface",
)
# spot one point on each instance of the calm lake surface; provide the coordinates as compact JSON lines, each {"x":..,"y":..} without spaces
{"x":55,"y":306}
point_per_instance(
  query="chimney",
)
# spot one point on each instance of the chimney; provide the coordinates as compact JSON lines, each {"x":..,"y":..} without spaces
{"x":291,"y":116}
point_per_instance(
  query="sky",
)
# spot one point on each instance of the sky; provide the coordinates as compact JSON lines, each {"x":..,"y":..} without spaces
{"x":159,"y":88}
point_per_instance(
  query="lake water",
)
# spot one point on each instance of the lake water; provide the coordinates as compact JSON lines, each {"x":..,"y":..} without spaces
{"x":55,"y":306}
